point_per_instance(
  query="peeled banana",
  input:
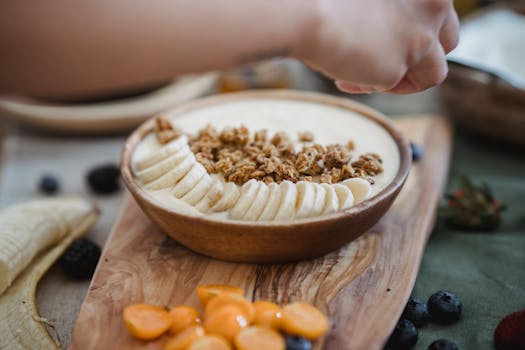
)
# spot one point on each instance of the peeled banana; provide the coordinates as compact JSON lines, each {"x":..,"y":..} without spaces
{"x":32,"y":236}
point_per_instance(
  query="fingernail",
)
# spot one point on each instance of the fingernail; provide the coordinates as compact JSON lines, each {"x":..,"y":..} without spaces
{"x":351,"y":88}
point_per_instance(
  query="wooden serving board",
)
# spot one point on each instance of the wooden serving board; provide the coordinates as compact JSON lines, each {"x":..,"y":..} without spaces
{"x":363,"y":287}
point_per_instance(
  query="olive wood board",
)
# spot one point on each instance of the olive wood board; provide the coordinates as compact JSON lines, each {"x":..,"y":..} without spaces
{"x":363,"y":286}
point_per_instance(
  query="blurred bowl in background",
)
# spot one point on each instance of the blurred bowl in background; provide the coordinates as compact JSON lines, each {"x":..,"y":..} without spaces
{"x":483,"y":102}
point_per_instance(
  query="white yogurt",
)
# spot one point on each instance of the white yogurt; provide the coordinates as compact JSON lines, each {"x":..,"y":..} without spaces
{"x":329,"y":125}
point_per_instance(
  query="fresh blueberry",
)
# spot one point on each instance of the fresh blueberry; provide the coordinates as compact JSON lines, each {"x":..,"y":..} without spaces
{"x":417,"y":151}
{"x":104,"y":179}
{"x":404,"y":336}
{"x":443,"y":344}
{"x":444,"y":307}
{"x":49,"y":184}
{"x":416,"y":311}
{"x":294,"y":342}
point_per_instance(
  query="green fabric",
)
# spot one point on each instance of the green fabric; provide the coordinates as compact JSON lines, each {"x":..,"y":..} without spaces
{"x":486,"y":270}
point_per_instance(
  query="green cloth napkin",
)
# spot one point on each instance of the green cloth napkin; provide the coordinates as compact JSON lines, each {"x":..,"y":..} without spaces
{"x":485,"y":269}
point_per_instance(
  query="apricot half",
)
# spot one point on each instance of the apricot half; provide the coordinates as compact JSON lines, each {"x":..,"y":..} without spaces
{"x":210,"y":342}
{"x":304,"y":320}
{"x":184,"y":316}
{"x":206,"y":292}
{"x":259,"y":338}
{"x":237,"y":300}
{"x":267,"y":314}
{"x":185,"y":338}
{"x":226,"y":322}
{"x":146,"y":322}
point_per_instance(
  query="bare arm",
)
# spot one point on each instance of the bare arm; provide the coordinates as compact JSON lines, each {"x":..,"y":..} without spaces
{"x":68,"y":48}
{"x":62,"y":48}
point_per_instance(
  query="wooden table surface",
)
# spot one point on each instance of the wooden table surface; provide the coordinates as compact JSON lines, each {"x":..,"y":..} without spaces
{"x":27,"y":154}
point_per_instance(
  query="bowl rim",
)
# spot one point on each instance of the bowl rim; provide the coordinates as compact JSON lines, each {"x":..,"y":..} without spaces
{"x":402,"y":144}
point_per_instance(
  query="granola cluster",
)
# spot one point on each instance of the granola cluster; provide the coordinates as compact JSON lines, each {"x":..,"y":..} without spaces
{"x":165,"y":131}
{"x":239,"y":157}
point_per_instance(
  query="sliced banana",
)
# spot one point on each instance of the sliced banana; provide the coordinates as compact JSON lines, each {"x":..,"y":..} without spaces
{"x":199,"y":191}
{"x":162,"y":153}
{"x":248,"y":193}
{"x":289,"y":195}
{"x":346,"y":199}
{"x":258,"y":205}
{"x":189,"y":181}
{"x":319,"y":201}
{"x":215,"y":192}
{"x":231,"y":194}
{"x":272,"y":204}
{"x":361,"y":189}
{"x":157,"y":170}
{"x":305,"y":199}
{"x":169,"y":179}
{"x":331,"y":204}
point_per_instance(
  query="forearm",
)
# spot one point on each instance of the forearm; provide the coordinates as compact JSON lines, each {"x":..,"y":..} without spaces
{"x":73,"y":48}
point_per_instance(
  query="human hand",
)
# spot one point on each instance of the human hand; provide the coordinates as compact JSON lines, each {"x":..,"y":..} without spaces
{"x":395,"y":46}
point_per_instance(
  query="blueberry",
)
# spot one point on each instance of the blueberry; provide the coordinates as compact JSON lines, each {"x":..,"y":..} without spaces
{"x":294,"y":342}
{"x":417,"y":151}
{"x":416,"y":311}
{"x":443,"y":344}
{"x":404,"y":336}
{"x":104,"y":179}
{"x":80,"y":259}
{"x":49,"y":184}
{"x":444,"y":307}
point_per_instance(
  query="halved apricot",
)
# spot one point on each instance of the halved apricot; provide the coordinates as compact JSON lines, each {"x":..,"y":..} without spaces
{"x":226,"y":321}
{"x":267,"y":314}
{"x":224,"y":299}
{"x":184,"y":316}
{"x":259,"y":338}
{"x":210,"y":342}
{"x":208,"y":291}
{"x":304,"y":320}
{"x":146,"y":322}
{"x":185,"y":338}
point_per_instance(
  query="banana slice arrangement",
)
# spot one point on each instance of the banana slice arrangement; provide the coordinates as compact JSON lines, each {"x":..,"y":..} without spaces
{"x":33,"y":235}
{"x":173,"y":167}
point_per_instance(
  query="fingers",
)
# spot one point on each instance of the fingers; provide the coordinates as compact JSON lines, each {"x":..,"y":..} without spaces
{"x":416,"y":52}
{"x":430,"y":71}
{"x":449,"y":33}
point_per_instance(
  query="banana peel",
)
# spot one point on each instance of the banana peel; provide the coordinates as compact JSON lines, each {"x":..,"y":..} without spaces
{"x":21,"y":327}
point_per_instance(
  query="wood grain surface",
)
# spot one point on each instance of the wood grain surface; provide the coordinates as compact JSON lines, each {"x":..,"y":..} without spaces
{"x":362,"y":287}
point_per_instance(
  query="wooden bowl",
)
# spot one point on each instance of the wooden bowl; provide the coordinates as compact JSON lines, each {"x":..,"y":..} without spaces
{"x":269,"y":242}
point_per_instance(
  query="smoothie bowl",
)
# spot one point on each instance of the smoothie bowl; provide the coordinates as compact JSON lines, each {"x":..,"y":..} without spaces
{"x":266,"y":176}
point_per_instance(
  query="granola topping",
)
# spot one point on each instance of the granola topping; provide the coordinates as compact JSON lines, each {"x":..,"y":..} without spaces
{"x":240,"y":156}
{"x":165,"y":131}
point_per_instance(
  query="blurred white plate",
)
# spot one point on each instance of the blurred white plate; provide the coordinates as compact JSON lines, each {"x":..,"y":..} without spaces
{"x":109,"y":116}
